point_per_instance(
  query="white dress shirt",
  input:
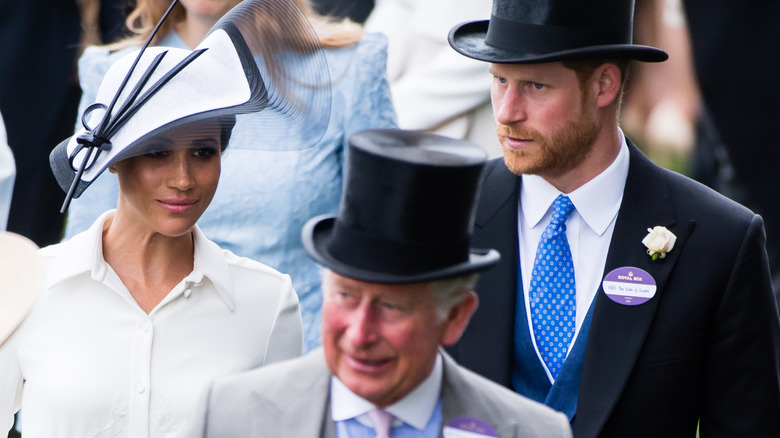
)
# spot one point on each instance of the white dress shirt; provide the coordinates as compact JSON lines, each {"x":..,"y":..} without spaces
{"x":588,"y":230}
{"x":415,"y":409}
{"x":89,"y":362}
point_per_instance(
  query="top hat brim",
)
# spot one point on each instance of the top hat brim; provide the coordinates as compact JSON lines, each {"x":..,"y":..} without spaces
{"x":317,"y":233}
{"x":20,"y":269}
{"x":468,"y":39}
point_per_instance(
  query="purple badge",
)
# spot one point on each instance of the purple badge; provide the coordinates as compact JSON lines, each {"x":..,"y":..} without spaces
{"x":466,"y":427}
{"x":629,"y":286}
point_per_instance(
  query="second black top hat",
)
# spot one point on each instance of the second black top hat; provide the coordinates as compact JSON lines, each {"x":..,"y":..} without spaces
{"x":407,"y":210}
{"x":534,"y":31}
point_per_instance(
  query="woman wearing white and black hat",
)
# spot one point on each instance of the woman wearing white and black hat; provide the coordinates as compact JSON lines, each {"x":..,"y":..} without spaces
{"x":141,"y":311}
{"x":272,"y":181}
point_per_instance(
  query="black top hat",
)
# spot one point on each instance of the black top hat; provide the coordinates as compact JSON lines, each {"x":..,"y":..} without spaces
{"x":407,"y":212}
{"x":535,"y":31}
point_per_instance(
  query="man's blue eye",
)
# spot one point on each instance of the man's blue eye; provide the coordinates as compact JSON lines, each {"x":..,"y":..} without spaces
{"x":538,"y":86}
{"x":389,"y":306}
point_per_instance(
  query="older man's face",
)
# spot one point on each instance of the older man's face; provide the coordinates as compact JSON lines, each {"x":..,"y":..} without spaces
{"x":381,"y":340}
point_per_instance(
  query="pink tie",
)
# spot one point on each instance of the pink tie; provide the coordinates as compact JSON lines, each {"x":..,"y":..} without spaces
{"x":382,"y":421}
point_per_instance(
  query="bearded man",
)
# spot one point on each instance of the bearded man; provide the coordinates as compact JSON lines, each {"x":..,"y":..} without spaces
{"x":631,"y":298}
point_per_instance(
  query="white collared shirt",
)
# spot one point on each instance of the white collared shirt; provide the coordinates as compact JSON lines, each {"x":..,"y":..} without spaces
{"x":588,"y":229}
{"x":89,"y":362}
{"x":415,"y":409}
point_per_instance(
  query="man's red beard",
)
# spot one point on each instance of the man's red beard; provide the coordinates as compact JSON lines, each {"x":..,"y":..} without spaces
{"x":552,"y":155}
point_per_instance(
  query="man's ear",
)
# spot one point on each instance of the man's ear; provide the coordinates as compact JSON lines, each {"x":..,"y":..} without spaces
{"x":608,"y":79}
{"x":458,"y":318}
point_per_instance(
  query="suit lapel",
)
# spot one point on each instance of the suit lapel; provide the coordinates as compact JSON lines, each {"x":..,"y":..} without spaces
{"x":617,"y":332}
{"x":328,"y":425}
{"x":461,"y":400}
{"x":308,"y":394}
{"x":489,"y":339}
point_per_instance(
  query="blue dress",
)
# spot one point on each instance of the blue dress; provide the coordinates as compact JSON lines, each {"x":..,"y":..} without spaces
{"x":266,"y":195}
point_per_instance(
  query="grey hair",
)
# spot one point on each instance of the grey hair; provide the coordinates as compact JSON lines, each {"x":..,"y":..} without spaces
{"x":447,"y":293}
{"x":451,"y":292}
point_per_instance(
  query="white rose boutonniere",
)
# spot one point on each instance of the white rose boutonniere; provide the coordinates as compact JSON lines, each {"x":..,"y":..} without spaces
{"x":659,"y":241}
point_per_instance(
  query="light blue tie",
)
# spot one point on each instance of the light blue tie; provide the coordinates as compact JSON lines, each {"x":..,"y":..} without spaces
{"x":552,"y":292}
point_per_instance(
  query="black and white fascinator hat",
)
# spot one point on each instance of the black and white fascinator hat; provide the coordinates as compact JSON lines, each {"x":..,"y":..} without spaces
{"x":261,"y":60}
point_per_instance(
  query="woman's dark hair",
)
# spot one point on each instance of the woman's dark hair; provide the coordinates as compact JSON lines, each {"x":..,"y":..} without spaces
{"x":226,"y":123}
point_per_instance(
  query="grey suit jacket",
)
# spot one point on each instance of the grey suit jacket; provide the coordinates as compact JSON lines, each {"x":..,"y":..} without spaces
{"x":291,"y":399}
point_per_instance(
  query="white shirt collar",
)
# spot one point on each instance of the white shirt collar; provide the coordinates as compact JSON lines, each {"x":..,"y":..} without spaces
{"x":597,"y":201}
{"x":415,"y":409}
{"x":86,"y":255}
{"x":210,"y":262}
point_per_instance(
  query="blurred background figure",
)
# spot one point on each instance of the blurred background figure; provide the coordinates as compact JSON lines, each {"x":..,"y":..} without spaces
{"x":706,"y":112}
{"x":661,"y":108}
{"x":266,"y":192}
{"x":434,"y":89}
{"x":355,"y":10}
{"x":736,"y":65}
{"x":7,"y":176}
{"x":103,"y":21}
{"x":38,"y":99}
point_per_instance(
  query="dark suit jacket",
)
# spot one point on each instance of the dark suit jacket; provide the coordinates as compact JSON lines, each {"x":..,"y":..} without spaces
{"x":292,"y":399}
{"x":731,"y":41}
{"x":39,"y":97}
{"x":705,"y":347}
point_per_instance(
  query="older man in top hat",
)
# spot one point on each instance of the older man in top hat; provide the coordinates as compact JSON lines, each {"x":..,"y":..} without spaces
{"x":397,"y":286}
{"x":629,"y":297}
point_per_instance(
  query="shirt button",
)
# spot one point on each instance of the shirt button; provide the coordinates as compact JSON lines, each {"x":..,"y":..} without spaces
{"x":187,"y":293}
{"x":147,"y":326}
{"x":140,"y":388}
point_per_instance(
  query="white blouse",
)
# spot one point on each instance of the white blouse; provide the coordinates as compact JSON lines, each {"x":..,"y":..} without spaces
{"x":88,"y":362}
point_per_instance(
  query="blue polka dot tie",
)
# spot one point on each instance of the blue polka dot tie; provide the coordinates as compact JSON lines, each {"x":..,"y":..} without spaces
{"x":552,"y":292}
